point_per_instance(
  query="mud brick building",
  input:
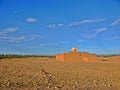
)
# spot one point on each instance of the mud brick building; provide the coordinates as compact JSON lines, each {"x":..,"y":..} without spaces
{"x":76,"y":56}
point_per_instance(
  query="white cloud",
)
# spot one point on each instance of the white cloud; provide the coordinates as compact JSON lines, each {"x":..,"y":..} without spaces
{"x":55,"y":25}
{"x":92,"y":20}
{"x":94,"y":34}
{"x":111,"y":38}
{"x":100,"y":30}
{"x":8,"y":30}
{"x":56,"y":43}
{"x":115,"y":22}
{"x":52,"y":26}
{"x":81,"y":40}
{"x":13,"y":39}
{"x":60,"y":25}
{"x":5,"y":35}
{"x":47,"y":44}
{"x":18,"y":38}
{"x":32,"y":37}
{"x":89,"y":36}
{"x":50,"y":44}
{"x":75,"y":23}
{"x":13,"y":29}
{"x":31,"y":19}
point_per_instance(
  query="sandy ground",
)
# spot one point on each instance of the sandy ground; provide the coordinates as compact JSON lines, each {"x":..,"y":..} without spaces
{"x":49,"y":74}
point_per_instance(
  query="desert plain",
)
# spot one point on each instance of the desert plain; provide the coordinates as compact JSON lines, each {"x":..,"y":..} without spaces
{"x":49,"y":74}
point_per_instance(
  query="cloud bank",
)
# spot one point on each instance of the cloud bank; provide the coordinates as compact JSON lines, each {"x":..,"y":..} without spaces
{"x":76,"y":23}
{"x":5,"y":35}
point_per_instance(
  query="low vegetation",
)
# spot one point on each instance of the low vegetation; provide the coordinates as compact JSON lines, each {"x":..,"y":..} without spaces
{"x":10,"y":56}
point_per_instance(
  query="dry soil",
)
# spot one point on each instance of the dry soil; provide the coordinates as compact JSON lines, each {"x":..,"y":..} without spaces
{"x":50,"y":74}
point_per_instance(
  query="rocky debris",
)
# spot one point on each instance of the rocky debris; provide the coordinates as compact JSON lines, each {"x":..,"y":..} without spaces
{"x":49,"y":80}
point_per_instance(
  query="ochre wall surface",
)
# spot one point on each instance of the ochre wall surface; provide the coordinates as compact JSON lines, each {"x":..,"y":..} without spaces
{"x":60,"y":57}
{"x":76,"y":56}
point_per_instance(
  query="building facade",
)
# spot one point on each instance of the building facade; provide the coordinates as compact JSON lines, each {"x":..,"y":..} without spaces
{"x":76,"y":56}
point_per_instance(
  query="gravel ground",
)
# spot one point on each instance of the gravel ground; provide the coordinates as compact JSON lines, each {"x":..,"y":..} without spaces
{"x":49,"y":74}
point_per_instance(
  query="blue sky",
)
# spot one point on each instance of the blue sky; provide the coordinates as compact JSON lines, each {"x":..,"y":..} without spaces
{"x":55,"y":26}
